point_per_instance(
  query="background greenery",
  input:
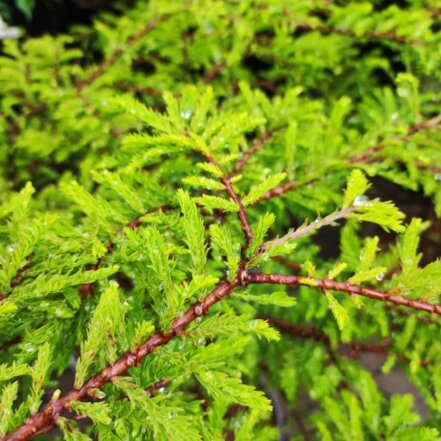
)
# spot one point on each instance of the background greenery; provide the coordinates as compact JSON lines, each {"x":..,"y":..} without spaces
{"x":103,"y":125}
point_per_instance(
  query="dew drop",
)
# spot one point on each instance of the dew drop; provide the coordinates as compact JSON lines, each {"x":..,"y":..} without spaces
{"x":380,"y":277}
{"x":437,"y":176}
{"x":29,"y":347}
{"x":59,"y":312}
{"x":186,"y":114}
{"x":161,"y":390}
{"x":10,"y":248}
{"x":359,"y":201}
{"x":201,"y":341}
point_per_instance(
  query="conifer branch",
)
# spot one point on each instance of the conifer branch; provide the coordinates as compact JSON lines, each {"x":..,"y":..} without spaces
{"x":86,"y":289}
{"x":351,"y":349}
{"x":288,"y":263}
{"x":306,"y":229}
{"x":425,"y":125}
{"x":116,"y":55}
{"x":332,"y":285}
{"x":284,"y":188}
{"x":357,"y":158}
{"x":55,"y":408}
{"x":214,"y":72}
{"x":230,"y":191}
{"x":390,"y":36}
{"x":257,"y":144}
{"x":301,"y":425}
{"x":307,"y":332}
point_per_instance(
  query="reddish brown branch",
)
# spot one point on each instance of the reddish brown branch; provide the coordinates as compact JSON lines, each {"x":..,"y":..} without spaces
{"x":116,"y":55}
{"x":257,"y":144}
{"x":386,"y":36}
{"x":288,"y":263}
{"x":53,"y":409}
{"x":16,"y":279}
{"x":151,"y":391}
{"x":230,"y":191}
{"x":126,"y":87}
{"x":301,"y":425}
{"x":281,"y":189}
{"x":363,"y":156}
{"x":214,"y":72}
{"x":241,"y":213}
{"x":359,"y":157}
{"x":86,"y":289}
{"x":351,"y":349}
{"x":326,"y":284}
{"x":307,"y":332}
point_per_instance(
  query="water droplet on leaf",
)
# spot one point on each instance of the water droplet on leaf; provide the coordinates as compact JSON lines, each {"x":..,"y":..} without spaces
{"x":359,"y":201}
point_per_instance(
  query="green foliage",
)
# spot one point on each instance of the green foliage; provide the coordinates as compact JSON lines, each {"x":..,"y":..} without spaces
{"x":158,"y":160}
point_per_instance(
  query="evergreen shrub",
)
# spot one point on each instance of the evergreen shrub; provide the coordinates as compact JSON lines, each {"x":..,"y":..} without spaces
{"x":211,"y":211}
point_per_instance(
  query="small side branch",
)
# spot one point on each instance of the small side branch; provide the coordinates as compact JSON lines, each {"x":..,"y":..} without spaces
{"x":214,"y":72}
{"x":257,"y":144}
{"x":366,"y":155}
{"x":230,"y":191}
{"x":116,"y":55}
{"x":351,"y":349}
{"x":306,"y":229}
{"x":86,"y":289}
{"x":357,"y":158}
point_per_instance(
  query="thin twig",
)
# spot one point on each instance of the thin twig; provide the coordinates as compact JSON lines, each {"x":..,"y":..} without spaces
{"x":288,"y":263}
{"x":230,"y":191}
{"x":214,"y":72}
{"x":116,"y":55}
{"x":86,"y":289}
{"x":363,"y":156}
{"x":352,"y":349}
{"x":307,"y":332}
{"x":257,"y":144}
{"x":386,"y":36}
{"x":306,"y":229}
{"x":357,"y":158}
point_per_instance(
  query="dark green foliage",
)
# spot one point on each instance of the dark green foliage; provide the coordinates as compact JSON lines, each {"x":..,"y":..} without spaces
{"x":163,"y":170}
